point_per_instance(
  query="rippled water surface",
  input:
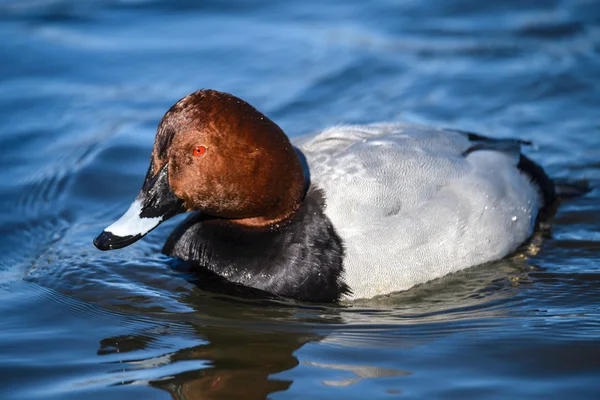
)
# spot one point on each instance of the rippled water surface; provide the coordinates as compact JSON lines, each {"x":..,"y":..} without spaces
{"x":83,"y":85}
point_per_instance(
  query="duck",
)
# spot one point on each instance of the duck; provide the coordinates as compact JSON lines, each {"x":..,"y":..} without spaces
{"x":350,"y":212}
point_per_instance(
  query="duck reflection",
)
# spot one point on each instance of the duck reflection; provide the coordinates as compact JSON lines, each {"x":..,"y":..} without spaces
{"x":236,"y":345}
{"x":239,"y":354}
{"x":241,"y":366}
{"x":238,"y":364}
{"x":235,"y":363}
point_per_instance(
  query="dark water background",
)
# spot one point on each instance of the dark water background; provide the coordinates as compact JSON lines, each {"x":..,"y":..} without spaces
{"x":83,"y":85}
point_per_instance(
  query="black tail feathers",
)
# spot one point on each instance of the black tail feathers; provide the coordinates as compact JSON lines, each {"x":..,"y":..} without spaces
{"x":552,"y":190}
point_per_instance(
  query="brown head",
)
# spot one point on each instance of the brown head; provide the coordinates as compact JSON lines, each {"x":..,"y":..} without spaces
{"x":217,"y":154}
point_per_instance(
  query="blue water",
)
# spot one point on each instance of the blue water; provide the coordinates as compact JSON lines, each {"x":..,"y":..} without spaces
{"x":83,"y":85}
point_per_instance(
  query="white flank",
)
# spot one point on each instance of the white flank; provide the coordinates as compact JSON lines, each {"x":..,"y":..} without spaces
{"x":410,"y":207}
{"x":131,"y":224}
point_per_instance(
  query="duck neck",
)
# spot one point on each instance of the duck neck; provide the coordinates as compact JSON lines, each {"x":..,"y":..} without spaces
{"x":291,"y":184}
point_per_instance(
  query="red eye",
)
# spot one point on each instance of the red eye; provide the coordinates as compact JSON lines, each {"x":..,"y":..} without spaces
{"x":199,"y":151}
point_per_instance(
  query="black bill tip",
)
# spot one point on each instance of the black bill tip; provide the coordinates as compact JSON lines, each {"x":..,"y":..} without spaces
{"x":109,"y":241}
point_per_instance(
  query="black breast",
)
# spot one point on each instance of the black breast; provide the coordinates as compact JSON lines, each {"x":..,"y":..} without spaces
{"x":301,"y":259}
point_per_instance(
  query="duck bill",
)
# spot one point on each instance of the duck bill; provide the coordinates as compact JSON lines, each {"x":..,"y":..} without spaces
{"x":155,"y":203}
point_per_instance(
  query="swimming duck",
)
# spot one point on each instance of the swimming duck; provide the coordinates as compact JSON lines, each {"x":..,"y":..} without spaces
{"x":350,"y":212}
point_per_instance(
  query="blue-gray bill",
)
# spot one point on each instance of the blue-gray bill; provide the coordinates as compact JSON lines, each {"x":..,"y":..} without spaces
{"x":155,"y":203}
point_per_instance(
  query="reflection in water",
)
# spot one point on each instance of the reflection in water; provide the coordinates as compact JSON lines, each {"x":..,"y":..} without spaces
{"x":360,"y":371}
{"x":233,"y":363}
{"x":240,"y":366}
{"x":246,"y":343}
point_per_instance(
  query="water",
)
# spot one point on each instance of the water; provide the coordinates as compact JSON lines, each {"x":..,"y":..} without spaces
{"x":82,"y":88}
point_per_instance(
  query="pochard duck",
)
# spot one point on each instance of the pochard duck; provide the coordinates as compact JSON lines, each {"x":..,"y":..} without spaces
{"x":350,"y":212}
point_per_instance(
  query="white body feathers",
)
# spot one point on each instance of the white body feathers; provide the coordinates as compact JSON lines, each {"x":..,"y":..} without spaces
{"x":411,"y":207}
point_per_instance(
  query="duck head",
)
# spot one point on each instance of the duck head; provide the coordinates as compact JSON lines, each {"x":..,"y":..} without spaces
{"x":216,"y":154}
